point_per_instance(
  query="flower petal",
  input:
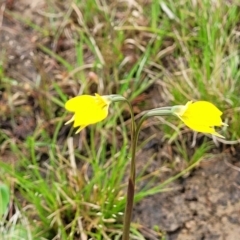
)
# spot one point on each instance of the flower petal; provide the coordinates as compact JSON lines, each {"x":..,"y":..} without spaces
{"x":87,"y":109}
{"x":80,"y":102}
{"x":204,"y":107}
{"x":71,"y":120}
{"x":202,"y":128}
{"x":203,"y":119}
{"x":200,"y":116}
{"x":90,"y":115}
{"x":80,"y":129}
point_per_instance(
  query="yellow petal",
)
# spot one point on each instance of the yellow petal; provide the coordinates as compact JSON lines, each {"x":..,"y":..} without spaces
{"x":102,"y":101}
{"x":218,"y":135}
{"x":71,"y":120}
{"x":80,"y":102}
{"x":204,"y":119}
{"x":80,"y":129}
{"x":202,"y":112}
{"x":202,"y":128}
{"x":87,"y":109}
{"x":203,"y":107}
{"x":90,"y":115}
{"x":200,"y":116}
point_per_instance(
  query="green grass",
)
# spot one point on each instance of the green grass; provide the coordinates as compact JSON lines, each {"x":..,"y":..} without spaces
{"x":65,"y":186}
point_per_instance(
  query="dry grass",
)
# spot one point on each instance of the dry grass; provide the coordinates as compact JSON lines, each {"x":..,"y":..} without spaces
{"x":154,"y":54}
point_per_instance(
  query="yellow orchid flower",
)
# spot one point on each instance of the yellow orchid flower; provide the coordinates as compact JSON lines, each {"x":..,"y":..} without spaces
{"x":200,"y":116}
{"x":87,"y":110}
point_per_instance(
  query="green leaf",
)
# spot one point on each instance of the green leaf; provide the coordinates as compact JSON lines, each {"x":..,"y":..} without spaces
{"x":4,"y":198}
{"x":18,"y":233}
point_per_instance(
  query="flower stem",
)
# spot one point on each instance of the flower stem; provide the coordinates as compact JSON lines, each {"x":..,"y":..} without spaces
{"x":131,"y":184}
{"x":132,"y":178}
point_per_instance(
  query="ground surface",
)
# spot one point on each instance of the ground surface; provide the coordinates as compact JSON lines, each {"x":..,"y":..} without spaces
{"x":202,"y":206}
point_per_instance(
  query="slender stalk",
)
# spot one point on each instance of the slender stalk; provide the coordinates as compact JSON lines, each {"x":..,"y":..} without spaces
{"x":131,"y":184}
{"x":134,"y":139}
{"x":132,"y":178}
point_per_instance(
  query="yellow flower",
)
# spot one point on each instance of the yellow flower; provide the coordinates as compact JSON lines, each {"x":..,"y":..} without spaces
{"x":200,"y":116}
{"x":87,"y":110}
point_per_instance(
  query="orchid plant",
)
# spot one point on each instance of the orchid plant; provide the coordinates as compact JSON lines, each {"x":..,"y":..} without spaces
{"x":200,"y":116}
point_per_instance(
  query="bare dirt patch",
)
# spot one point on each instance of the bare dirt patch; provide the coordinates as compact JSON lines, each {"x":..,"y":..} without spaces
{"x":205,"y":205}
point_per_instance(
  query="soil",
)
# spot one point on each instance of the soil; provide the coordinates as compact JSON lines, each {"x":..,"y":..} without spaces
{"x":205,"y":205}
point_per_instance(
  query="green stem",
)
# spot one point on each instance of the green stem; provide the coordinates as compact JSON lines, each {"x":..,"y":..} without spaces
{"x":119,"y":98}
{"x":132,"y":178}
{"x":131,"y":184}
